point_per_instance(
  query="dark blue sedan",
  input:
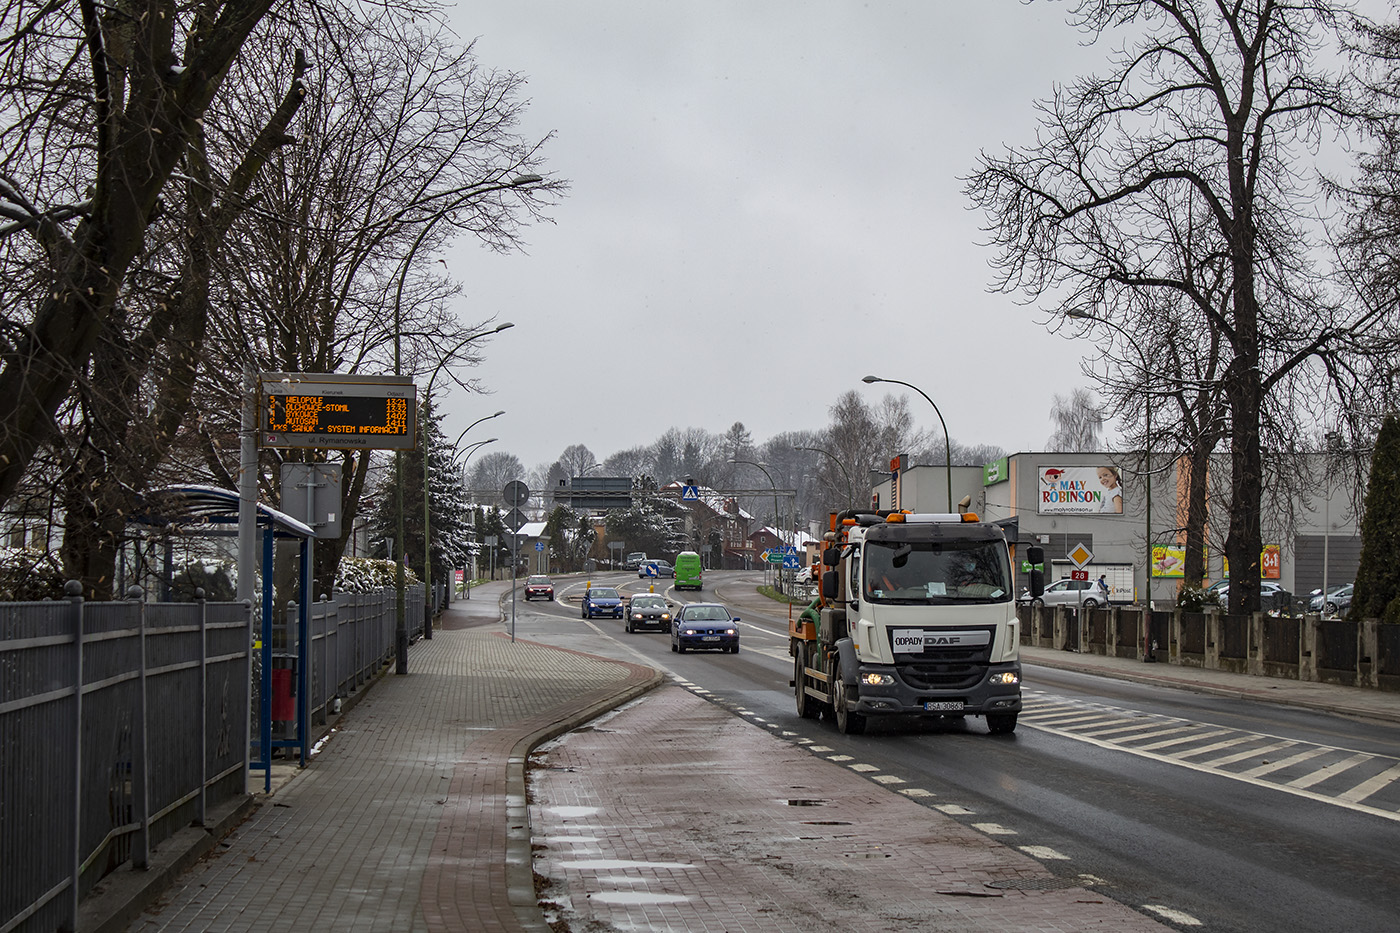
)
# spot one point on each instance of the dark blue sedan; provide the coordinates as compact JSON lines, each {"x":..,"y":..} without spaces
{"x":601,"y":601}
{"x":704,"y":625}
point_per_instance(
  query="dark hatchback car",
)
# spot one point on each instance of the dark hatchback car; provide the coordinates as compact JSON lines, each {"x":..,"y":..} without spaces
{"x":704,"y":625}
{"x":601,"y":601}
{"x":648,"y":611}
{"x":539,"y":587}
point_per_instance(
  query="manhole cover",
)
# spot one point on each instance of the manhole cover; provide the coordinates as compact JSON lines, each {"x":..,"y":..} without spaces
{"x":1034,"y":884}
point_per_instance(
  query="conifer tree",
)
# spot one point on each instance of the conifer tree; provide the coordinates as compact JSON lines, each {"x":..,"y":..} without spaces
{"x":1377,"y":591}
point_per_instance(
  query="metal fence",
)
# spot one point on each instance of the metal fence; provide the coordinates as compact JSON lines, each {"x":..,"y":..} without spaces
{"x":1299,"y":647}
{"x":120,"y":723}
{"x":93,"y":778}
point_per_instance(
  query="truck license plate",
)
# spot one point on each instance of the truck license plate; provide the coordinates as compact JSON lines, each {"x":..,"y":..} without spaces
{"x":944,"y":706}
{"x":709,"y":638}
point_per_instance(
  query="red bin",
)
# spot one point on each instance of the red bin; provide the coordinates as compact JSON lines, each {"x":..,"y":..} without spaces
{"x":284,"y":707}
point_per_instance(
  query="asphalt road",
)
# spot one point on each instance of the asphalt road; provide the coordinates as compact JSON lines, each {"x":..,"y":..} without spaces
{"x":1233,"y":815}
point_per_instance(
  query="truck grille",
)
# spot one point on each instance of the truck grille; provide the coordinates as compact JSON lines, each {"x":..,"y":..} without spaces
{"x":927,"y":675}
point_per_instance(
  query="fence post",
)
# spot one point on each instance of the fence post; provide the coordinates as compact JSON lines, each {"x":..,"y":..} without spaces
{"x":203,"y":703}
{"x":140,"y":755}
{"x":74,"y":591}
{"x":1366,"y":653}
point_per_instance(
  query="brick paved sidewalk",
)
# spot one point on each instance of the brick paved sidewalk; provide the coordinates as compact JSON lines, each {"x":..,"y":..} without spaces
{"x":673,"y":814}
{"x":412,"y":816}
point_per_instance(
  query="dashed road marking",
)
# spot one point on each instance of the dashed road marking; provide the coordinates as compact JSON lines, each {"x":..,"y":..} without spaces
{"x":1175,"y":916}
{"x":886,"y":779}
{"x":863,"y":767}
{"x":994,"y":829}
{"x":953,"y":809}
{"x":839,"y":758}
{"x":916,"y":792}
{"x":1044,"y":852}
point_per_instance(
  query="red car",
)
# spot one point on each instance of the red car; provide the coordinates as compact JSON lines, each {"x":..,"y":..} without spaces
{"x":539,"y":586}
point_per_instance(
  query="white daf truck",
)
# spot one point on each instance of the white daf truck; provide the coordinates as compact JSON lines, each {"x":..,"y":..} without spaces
{"x":916,"y":616}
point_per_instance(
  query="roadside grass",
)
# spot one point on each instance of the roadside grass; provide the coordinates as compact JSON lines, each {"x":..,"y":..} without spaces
{"x":774,"y":595}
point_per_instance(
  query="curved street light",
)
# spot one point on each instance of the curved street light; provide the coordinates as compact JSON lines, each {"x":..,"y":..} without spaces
{"x":947,"y":441}
{"x":850,"y":489}
{"x":777,"y":519}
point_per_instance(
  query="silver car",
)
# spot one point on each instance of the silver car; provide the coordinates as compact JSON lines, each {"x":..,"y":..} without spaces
{"x":1066,"y":593}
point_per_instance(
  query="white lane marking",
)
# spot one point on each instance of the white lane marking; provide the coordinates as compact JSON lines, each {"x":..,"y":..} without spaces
{"x":1295,"y":788}
{"x":1322,"y":774}
{"x":1044,"y":852}
{"x":994,"y":829}
{"x":1175,"y":916}
{"x":1153,"y":730}
{"x":1368,"y":787}
{"x":916,"y":792}
{"x":820,"y":748}
{"x":1247,"y":753}
{"x":1224,"y":743}
{"x":886,"y":779}
{"x":953,"y":809}
{"x":1269,"y":767}
{"x":1186,"y":738}
{"x":863,"y":767}
{"x":840,"y":758}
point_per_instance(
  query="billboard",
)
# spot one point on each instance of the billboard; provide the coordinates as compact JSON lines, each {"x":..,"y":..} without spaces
{"x":1080,"y":490}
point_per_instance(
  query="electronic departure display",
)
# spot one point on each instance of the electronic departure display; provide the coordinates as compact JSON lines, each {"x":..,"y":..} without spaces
{"x":338,"y":411}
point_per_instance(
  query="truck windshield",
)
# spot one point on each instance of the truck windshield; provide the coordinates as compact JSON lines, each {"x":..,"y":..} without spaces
{"x":937,"y":571}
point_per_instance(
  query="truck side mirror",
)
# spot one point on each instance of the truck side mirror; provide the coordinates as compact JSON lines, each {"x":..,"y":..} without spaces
{"x":831,"y":585}
{"x":1036,"y":557}
{"x":831,"y":556}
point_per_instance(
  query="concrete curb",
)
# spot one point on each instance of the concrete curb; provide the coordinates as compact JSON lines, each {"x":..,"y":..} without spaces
{"x":120,"y":898}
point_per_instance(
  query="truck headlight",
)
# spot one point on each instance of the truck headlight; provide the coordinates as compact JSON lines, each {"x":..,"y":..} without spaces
{"x":876,"y":680}
{"x":1005,"y":678}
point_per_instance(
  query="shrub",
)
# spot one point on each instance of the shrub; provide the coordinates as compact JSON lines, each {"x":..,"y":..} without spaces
{"x":367,"y":574}
{"x":28,"y":575}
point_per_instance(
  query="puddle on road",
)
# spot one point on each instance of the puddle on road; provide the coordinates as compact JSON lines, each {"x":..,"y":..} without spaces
{"x":616,"y":864}
{"x":571,"y":813}
{"x":633,"y":898}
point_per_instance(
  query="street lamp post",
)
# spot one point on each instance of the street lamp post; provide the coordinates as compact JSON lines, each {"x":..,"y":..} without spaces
{"x":850,"y":489}
{"x":427,"y":528}
{"x":1147,"y":652}
{"x":947,"y":441}
{"x":777,"y":520}
{"x":464,"y":195}
{"x":469,"y":450}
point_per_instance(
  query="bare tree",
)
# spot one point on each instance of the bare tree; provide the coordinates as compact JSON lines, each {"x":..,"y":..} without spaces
{"x":577,"y":459}
{"x":102,"y":106}
{"x":1078,"y":422}
{"x":491,"y":473}
{"x":1212,"y":106}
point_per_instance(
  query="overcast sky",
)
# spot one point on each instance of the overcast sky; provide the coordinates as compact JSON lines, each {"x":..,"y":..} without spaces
{"x":765,"y":197}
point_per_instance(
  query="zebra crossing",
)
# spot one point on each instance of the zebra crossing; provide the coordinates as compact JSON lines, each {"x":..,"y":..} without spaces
{"x":1345,"y":777}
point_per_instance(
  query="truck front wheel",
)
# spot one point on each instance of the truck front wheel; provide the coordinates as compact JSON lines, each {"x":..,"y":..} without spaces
{"x":1001,"y":723}
{"x":847,"y":722}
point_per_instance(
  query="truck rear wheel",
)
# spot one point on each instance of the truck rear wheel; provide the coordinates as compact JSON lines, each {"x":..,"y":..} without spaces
{"x":1001,"y":723}
{"x":847,"y":722}
{"x":807,"y":706}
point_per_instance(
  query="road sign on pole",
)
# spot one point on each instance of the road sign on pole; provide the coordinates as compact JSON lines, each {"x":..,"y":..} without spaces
{"x":690,"y":493}
{"x":1080,"y":555}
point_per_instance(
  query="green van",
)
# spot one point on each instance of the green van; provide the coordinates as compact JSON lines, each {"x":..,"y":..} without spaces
{"x":688,"y":571}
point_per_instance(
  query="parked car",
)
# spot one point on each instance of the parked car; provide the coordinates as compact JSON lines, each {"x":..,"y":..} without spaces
{"x":803,"y":576}
{"x":1066,"y":592}
{"x":1317,"y":599}
{"x":601,"y":601}
{"x":705,"y":625}
{"x":1339,"y":602}
{"x":539,"y":587}
{"x":655,"y":568}
{"x":648,"y":611}
{"x":1273,"y":598}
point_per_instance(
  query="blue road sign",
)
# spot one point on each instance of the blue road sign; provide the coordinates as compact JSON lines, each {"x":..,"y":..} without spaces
{"x":690,"y":493}
{"x":790,"y":562}
{"x":539,"y":545}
